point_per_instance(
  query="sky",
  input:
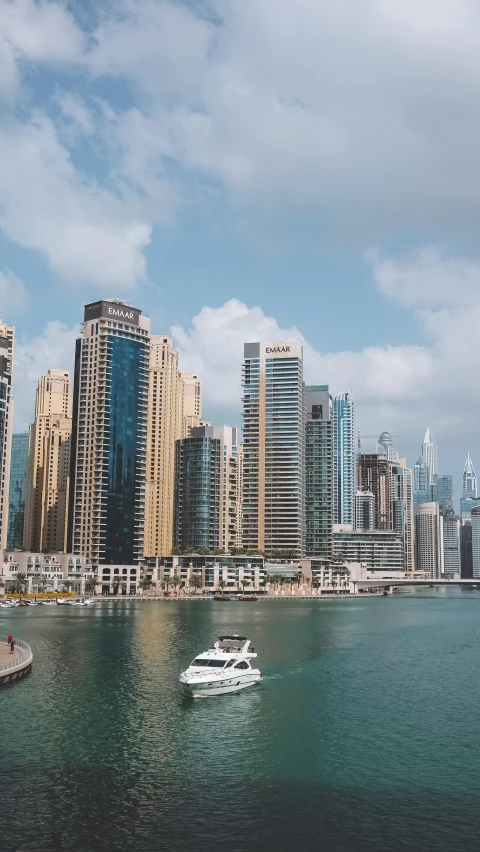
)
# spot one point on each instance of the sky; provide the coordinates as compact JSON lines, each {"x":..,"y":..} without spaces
{"x":253,"y":170}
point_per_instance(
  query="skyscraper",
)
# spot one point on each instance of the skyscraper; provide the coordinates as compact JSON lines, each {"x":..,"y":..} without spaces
{"x":429,"y":541}
{"x":469,"y":488}
{"x":344,"y":473}
{"x":402,"y":508}
{"x":385,"y":446}
{"x":421,"y":484}
{"x":318,"y":472}
{"x":239,"y":521}
{"x":365,"y":510}
{"x":475,"y":522}
{"x":375,"y":475}
{"x":110,"y":434}
{"x":48,"y":476}
{"x":165,"y":426}
{"x":273,"y":428}
{"x":441,"y":491}
{"x":17,"y":494}
{"x":191,"y":403}
{"x":451,"y":545}
{"x":6,"y":423}
{"x":466,"y":570}
{"x":197,"y":502}
{"x":429,"y":455}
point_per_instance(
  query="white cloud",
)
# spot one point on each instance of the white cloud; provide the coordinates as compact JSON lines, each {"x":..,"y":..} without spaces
{"x":46,"y":204}
{"x":53,"y":348}
{"x":13,"y":294}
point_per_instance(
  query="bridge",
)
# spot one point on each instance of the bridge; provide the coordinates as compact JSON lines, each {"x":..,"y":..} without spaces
{"x":388,"y":583}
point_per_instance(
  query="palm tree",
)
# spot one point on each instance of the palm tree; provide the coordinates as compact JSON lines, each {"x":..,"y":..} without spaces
{"x":196,"y":582}
{"x":221,"y":585}
{"x":20,"y":583}
{"x":66,"y":585}
{"x":117,"y":582}
{"x":91,"y":584}
{"x":175,"y":581}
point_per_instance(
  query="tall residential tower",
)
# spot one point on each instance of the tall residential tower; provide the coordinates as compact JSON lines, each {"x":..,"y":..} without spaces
{"x":6,"y":423}
{"x":344,"y":474}
{"x":273,"y":429}
{"x":110,"y":434}
{"x":318,"y":472}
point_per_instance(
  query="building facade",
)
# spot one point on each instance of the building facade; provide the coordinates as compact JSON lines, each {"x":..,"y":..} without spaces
{"x":273,"y":446}
{"x":239,"y":521}
{"x":466,"y":556}
{"x":165,"y":427}
{"x":375,"y":475}
{"x":469,"y":488}
{"x":429,"y":546}
{"x":475,"y":523}
{"x":233,"y":573}
{"x":441,"y":491}
{"x":191,"y":403}
{"x":110,"y":434}
{"x":377,"y":549}
{"x":365,"y":510}
{"x":48,"y":478}
{"x":7,"y":334}
{"x":17,"y":493}
{"x":197,"y":504}
{"x":451,"y":546}
{"x":429,"y":456}
{"x":318,"y":472}
{"x":344,"y":471}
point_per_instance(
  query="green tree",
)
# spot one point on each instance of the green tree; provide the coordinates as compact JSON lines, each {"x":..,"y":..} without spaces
{"x":118,"y":582}
{"x":67,"y":585}
{"x":176,"y":581}
{"x":221,"y":585}
{"x":145,"y":583}
{"x":20,"y":583}
{"x":91,"y":584}
{"x":196,"y":582}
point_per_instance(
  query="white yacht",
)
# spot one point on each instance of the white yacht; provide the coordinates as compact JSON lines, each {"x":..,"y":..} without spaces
{"x":82,"y":602}
{"x":225,"y":667}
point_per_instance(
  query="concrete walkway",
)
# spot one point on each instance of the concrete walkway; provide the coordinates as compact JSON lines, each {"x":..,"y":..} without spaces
{"x":7,"y":657}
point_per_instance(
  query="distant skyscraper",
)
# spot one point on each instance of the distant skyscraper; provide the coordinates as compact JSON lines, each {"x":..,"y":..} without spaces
{"x":344,"y":473}
{"x":385,"y":446}
{"x":451,"y":545}
{"x":6,"y":423}
{"x":469,"y":488}
{"x":239,"y":492}
{"x":441,"y":491}
{"x":429,"y":455}
{"x":466,"y":549}
{"x":429,"y":541}
{"x":402,"y":508}
{"x":191,"y":403}
{"x":421,"y":484}
{"x":476,"y":543}
{"x":374,"y":474}
{"x":318,"y":472}
{"x":165,"y":426}
{"x":110,"y":434}
{"x":365,"y":510}
{"x":273,"y":446}
{"x":48,"y":478}
{"x":18,"y":485}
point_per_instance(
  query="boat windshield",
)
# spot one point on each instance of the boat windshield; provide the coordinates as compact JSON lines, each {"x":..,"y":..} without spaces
{"x":201,"y":663}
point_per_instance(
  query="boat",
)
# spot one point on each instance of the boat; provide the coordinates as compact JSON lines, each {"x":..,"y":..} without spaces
{"x":225,"y":667}
{"x":62,"y":601}
{"x":222,"y":597}
{"x":8,"y":604}
{"x":82,"y":602}
{"x":51,"y":602}
{"x":248,"y":598}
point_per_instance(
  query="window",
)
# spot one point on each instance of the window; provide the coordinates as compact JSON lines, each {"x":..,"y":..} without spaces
{"x":219,"y":664}
{"x":242,"y":665}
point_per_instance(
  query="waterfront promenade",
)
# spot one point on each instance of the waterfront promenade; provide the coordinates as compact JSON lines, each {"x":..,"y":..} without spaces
{"x":17,"y":665}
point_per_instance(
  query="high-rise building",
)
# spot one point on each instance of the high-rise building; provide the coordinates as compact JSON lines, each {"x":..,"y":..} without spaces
{"x":365,"y":510}
{"x":469,"y":488}
{"x":110,"y":434}
{"x":441,"y":491}
{"x":385,"y":446}
{"x":273,"y":447}
{"x":7,"y":334}
{"x":344,"y":473}
{"x":197,"y":500}
{"x":401,"y":496}
{"x":451,"y":545}
{"x":429,"y":541}
{"x":375,"y":474}
{"x":318,"y":472}
{"x":475,"y":522}
{"x":429,"y":455}
{"x":165,"y":426}
{"x":191,"y":403}
{"x":48,"y":477}
{"x":239,"y":521}
{"x":17,"y":494}
{"x":466,"y":571}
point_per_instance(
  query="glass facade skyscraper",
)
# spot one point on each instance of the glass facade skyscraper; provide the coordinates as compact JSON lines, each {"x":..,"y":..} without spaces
{"x":109,"y":435}
{"x":197,"y":514}
{"x":441,"y":491}
{"x":344,"y":473}
{"x":17,"y":493}
{"x":469,"y":488}
{"x":274,"y":436}
{"x":6,"y":369}
{"x":318,"y":472}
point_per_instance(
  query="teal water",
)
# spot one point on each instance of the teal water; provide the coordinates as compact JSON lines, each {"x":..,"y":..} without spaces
{"x":364,"y":735}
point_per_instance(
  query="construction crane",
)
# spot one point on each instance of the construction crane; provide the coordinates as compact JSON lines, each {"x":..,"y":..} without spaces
{"x":376,"y":437}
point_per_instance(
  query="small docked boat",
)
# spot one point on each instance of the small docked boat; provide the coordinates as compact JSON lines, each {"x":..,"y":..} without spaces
{"x":248,"y":598}
{"x":82,"y":602}
{"x":62,"y":601}
{"x":48,"y":603}
{"x":220,"y":597}
{"x":8,"y":604}
{"x":225,"y":667}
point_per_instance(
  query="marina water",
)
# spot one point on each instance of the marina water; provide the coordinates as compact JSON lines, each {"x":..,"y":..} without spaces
{"x":363,"y":736}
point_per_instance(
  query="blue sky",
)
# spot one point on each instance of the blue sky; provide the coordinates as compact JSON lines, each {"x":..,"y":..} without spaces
{"x":244,"y":170}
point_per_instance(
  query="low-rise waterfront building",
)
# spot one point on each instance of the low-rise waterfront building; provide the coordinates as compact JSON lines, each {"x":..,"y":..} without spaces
{"x":377,"y":549}
{"x":233,"y":573}
{"x":45,"y":572}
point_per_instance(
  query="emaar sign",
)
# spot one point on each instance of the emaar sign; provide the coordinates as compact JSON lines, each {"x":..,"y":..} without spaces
{"x":112,"y":311}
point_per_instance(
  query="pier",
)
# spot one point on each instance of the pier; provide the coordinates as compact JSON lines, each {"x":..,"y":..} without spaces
{"x":14,"y":666}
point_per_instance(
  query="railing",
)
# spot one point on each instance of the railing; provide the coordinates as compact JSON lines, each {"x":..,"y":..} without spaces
{"x":23,"y":654}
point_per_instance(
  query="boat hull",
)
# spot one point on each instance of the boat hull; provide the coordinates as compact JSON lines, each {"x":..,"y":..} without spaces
{"x":210,"y":690}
